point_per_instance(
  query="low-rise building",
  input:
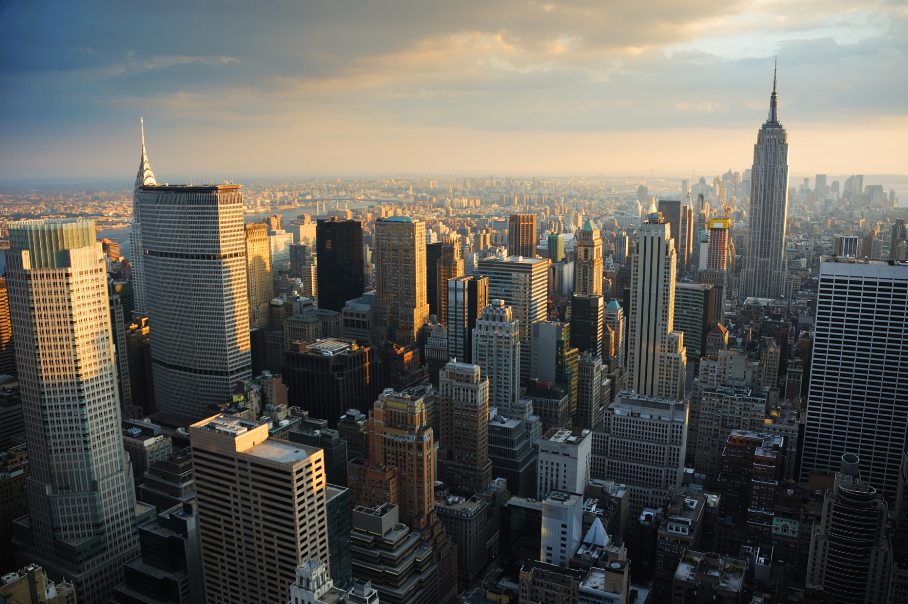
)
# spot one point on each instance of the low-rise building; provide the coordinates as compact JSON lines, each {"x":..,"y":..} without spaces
{"x":30,"y":585}
{"x":707,"y":578}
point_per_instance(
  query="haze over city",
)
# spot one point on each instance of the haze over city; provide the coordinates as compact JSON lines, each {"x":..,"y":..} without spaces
{"x":229,"y":90}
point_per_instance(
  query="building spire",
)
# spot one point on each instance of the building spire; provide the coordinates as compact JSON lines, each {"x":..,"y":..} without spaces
{"x":774,"y":99}
{"x":145,"y":176}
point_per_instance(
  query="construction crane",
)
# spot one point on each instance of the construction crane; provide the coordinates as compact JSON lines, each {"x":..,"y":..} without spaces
{"x":722,"y":195}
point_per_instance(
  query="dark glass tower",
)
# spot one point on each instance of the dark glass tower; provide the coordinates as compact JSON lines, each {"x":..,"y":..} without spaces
{"x":340,"y":262}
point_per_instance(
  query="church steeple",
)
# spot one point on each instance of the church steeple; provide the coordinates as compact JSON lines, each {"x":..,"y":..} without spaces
{"x":145,"y":175}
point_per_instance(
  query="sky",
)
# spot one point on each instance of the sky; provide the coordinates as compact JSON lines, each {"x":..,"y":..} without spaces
{"x":232,"y":88}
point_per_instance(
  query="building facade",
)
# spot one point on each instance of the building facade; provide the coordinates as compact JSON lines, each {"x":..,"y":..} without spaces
{"x":400,"y":277}
{"x":656,"y":357}
{"x":81,"y":503}
{"x":522,"y":235}
{"x":259,"y":279}
{"x":194,"y":263}
{"x":765,"y":272}
{"x":588,"y":266}
{"x":254,"y":495}
{"x":340,"y":262}
{"x":859,"y":372}
{"x":521,"y":283}
{"x":463,"y":456}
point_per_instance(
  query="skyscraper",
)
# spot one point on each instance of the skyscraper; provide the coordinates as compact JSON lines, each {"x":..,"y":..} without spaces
{"x":694,"y":312}
{"x":80,"y":491}
{"x":555,"y":243}
{"x":717,"y":254}
{"x":521,"y":283}
{"x":241,"y":475}
{"x":340,"y":262}
{"x":496,"y":349}
{"x":400,"y":277}
{"x":144,"y":178}
{"x":671,"y":210}
{"x":656,"y":358}
{"x":588,"y":323}
{"x":467,"y":296}
{"x":588,"y":267}
{"x":194,"y":264}
{"x":614,"y":318}
{"x":463,"y":400}
{"x":260,"y":282}
{"x":522,"y":235}
{"x":859,"y":372}
{"x":450,"y":266}
{"x":7,"y":350}
{"x":765,"y":272}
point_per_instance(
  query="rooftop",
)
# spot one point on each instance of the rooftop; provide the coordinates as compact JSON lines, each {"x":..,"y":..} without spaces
{"x":226,"y":424}
{"x":565,"y":435}
{"x":282,"y":451}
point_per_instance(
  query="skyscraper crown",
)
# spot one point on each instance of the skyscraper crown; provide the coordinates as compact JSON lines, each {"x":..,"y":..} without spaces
{"x":773,"y":120}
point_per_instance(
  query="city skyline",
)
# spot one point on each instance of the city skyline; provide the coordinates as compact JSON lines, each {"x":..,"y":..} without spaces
{"x":463,"y":88}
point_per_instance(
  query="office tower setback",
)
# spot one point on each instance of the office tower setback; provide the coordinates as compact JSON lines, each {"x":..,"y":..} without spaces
{"x":463,"y":401}
{"x":765,"y":273}
{"x":80,"y":490}
{"x":194,"y":267}
{"x":243,"y":476}
{"x":642,"y":443}
{"x":588,"y":323}
{"x":563,"y":462}
{"x":521,"y":283}
{"x":392,"y":558}
{"x":522,"y":235}
{"x":555,"y":244}
{"x":656,"y":358}
{"x":144,"y":178}
{"x":849,"y":550}
{"x":400,"y":277}
{"x":168,"y":568}
{"x":260,"y":282}
{"x":314,"y":585}
{"x":496,"y":349}
{"x":859,"y":372}
{"x":332,"y":375}
{"x":340,"y":262}
{"x":401,"y":443}
{"x":449,"y":266}
{"x":588,"y":266}
{"x":467,"y":296}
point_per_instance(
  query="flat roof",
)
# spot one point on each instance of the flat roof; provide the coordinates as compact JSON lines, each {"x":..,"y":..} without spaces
{"x":281,"y":451}
{"x":212,"y":188}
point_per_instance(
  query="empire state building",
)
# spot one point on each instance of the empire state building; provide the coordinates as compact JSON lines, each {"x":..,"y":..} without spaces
{"x":765,"y":273}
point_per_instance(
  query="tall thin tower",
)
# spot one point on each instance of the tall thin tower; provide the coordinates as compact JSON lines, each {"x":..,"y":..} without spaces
{"x":194,"y":260}
{"x":765,"y":273}
{"x":81,"y":521}
{"x":144,"y":177}
{"x":656,"y":357}
{"x":588,"y":269}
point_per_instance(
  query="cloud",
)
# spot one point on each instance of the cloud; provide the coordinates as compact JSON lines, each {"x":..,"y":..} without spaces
{"x":79,"y":68}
